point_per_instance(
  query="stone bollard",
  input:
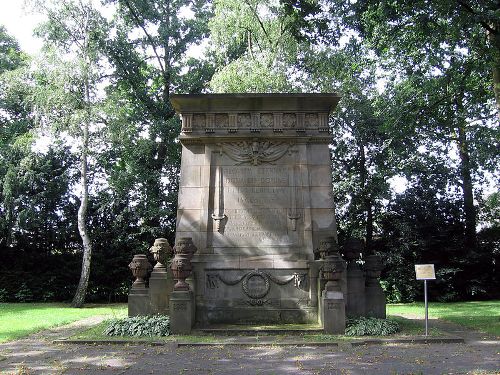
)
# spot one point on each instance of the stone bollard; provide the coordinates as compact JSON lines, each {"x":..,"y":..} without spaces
{"x":375,"y":297}
{"x":161,"y":282}
{"x":182,"y":313}
{"x":138,"y":298}
{"x":333,"y":303}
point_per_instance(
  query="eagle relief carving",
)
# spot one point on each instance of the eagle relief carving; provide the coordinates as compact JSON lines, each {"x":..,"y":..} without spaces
{"x":255,"y":152}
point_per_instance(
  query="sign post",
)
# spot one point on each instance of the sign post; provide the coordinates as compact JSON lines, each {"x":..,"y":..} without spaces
{"x":425,"y":272}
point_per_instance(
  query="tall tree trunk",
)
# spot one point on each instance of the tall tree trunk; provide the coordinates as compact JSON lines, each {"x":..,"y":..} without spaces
{"x":81,"y":291}
{"x":494,"y":37}
{"x":465,"y":172}
{"x":496,"y":83}
{"x":367,"y":202}
{"x":467,"y":188}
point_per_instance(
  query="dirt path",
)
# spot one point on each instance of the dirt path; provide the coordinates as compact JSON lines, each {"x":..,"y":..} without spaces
{"x":38,"y":355}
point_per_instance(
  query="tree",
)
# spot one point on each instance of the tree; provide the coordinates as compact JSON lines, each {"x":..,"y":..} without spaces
{"x":149,"y":54}
{"x":416,"y":32}
{"x":255,"y":47}
{"x":65,"y":94}
{"x":445,"y":51}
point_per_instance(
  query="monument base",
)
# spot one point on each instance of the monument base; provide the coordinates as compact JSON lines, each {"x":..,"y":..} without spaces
{"x":375,"y":302}
{"x":161,"y":285}
{"x":355,"y":298}
{"x":139,"y":302}
{"x":333,"y":312}
{"x":181,"y":312}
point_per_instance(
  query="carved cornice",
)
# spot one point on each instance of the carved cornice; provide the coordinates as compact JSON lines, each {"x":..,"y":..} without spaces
{"x":255,"y":122}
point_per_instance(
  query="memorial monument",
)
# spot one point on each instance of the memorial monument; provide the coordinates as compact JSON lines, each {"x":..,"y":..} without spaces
{"x":255,"y":199}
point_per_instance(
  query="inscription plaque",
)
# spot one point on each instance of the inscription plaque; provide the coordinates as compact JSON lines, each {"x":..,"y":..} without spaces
{"x":257,"y":200}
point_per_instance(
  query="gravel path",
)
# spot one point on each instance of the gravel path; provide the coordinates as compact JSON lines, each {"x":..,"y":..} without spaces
{"x":38,"y":355}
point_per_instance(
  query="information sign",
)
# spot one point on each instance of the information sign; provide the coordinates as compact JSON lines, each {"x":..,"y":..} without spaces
{"x":425,"y":272}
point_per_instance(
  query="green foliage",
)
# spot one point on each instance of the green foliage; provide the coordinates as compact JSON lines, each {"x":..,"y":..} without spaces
{"x":156,"y":325}
{"x":371,"y":327}
{"x":24,"y":294}
{"x":255,"y":47}
{"x":4,"y":295}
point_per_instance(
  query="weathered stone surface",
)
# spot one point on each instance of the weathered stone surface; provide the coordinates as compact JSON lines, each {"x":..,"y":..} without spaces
{"x":139,"y":302}
{"x":256,"y":198}
{"x":181,"y":312}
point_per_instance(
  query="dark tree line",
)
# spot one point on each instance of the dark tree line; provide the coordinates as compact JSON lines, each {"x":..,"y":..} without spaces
{"x":89,"y":124}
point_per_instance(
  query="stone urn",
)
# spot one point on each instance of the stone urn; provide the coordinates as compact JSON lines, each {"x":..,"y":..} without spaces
{"x":185,"y":246}
{"x":373,"y":269}
{"x":181,"y":268}
{"x":139,"y":267}
{"x":181,"y":265}
{"x":162,"y":252}
{"x":328,"y":246}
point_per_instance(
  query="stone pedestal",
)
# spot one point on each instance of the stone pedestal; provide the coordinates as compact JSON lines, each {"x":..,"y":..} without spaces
{"x":138,"y":298}
{"x":375,"y":297}
{"x":333,"y":312}
{"x":161,"y":285}
{"x":375,"y":301}
{"x":138,"y":302}
{"x":355,"y":291}
{"x":332,"y":299}
{"x":181,"y":312}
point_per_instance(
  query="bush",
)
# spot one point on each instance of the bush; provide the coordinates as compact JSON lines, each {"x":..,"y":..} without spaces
{"x":371,"y":327}
{"x":156,"y":325}
{"x":24,"y":294}
{"x":4,"y":295}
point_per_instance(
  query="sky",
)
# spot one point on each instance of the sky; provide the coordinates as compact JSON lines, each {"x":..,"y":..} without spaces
{"x":20,"y":24}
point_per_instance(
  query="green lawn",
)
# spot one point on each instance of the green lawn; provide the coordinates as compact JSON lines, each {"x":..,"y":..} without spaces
{"x":20,"y":319}
{"x":482,"y":316}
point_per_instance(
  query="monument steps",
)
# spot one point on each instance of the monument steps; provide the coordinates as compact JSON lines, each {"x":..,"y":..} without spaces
{"x":265,"y":330}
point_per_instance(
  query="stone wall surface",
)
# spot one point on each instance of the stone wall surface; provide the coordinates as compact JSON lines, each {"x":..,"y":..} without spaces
{"x":255,"y":196}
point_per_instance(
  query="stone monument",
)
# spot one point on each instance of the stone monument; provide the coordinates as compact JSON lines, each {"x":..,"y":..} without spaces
{"x":255,"y":196}
{"x":256,"y":238}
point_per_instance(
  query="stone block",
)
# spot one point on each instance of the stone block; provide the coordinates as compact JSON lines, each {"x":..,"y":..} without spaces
{"x":375,"y":304}
{"x":190,"y":176}
{"x":320,"y":175}
{"x":190,"y":198}
{"x":161,"y":285}
{"x":321,"y":197}
{"x":318,"y":155}
{"x":181,"y":312}
{"x":355,"y":305}
{"x":188,"y":220}
{"x":193,"y":155}
{"x":333,"y":313}
{"x":139,"y":302}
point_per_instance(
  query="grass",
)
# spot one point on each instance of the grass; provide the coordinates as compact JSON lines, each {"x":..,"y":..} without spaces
{"x":483,"y":316}
{"x":21,"y":319}
{"x":408,"y":328}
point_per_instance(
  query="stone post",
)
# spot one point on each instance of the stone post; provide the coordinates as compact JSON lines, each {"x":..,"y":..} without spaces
{"x":355,"y":304}
{"x":332,"y":300}
{"x":182,"y":308}
{"x":161,"y":281}
{"x":138,"y":298}
{"x":375,"y":297}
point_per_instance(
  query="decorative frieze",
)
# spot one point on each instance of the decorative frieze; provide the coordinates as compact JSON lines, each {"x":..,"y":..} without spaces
{"x":254,"y":122}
